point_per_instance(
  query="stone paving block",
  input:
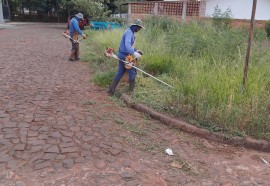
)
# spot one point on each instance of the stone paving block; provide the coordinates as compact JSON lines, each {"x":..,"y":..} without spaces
{"x":29,"y":118}
{"x":73,"y":155}
{"x":4,"y":159}
{"x":5,"y":141}
{"x":68,"y":163}
{"x":66,"y":139}
{"x":23,"y":125}
{"x":52,"y":141}
{"x":126,"y":163}
{"x":15,"y":141}
{"x":49,"y":156}
{"x":3,"y":114}
{"x":23,"y":132}
{"x":100,"y":164}
{"x":32,"y":134}
{"x":10,"y":125}
{"x":117,"y":145}
{"x":88,"y":138}
{"x":95,"y":149}
{"x":58,"y":166}
{"x":19,"y":147}
{"x":37,"y":142}
{"x":36,"y":148}
{"x":26,"y":155}
{"x":60,"y":127}
{"x":36,"y":156}
{"x":45,"y":129}
{"x":56,"y":134}
{"x":67,"y":134}
{"x":65,"y":145}
{"x":128,"y":176}
{"x":74,"y":129}
{"x":104,"y":146}
{"x":79,"y":160}
{"x":53,"y":149}
{"x":12,"y":164}
{"x":10,"y":136}
{"x":32,"y":138}
{"x":42,"y":165}
{"x":61,"y":156}
{"x":42,"y":136}
{"x":133,"y":183}
{"x":23,"y":139}
{"x":114,"y":151}
{"x":69,"y":149}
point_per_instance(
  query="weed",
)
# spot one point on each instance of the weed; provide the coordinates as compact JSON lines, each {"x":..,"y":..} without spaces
{"x":205,"y":66}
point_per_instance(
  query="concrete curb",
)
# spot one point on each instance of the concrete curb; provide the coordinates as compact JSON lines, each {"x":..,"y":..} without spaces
{"x":259,"y":145}
{"x":5,"y":25}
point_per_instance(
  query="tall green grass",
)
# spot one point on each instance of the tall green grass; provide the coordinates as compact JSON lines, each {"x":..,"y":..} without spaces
{"x":205,"y":65}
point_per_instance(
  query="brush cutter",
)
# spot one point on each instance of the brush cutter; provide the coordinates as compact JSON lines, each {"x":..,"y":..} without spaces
{"x":109,"y":52}
{"x":130,"y":62}
{"x":76,"y":41}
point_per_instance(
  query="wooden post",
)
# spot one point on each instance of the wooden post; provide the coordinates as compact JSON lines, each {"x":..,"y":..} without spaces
{"x":252,"y":21}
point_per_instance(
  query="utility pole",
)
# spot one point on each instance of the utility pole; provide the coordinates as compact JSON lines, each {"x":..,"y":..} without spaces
{"x":252,"y":21}
{"x":1,"y":13}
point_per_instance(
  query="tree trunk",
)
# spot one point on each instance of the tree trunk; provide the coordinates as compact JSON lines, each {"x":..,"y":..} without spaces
{"x":68,"y":11}
{"x":57,"y":11}
{"x":22,"y":7}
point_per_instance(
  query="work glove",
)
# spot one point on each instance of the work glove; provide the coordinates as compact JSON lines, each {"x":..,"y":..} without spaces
{"x":140,"y":52}
{"x":137,"y":55}
{"x":84,"y":36}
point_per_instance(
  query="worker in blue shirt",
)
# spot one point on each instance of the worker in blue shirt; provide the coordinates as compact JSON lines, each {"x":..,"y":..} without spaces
{"x":126,"y":48}
{"x":74,"y":32}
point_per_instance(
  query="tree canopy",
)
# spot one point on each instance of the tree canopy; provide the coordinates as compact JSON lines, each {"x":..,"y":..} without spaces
{"x":92,"y":8}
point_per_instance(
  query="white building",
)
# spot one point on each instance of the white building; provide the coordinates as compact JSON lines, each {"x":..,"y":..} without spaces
{"x":241,"y":9}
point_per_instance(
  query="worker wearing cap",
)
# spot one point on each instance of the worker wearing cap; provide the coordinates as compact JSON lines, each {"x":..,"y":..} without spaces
{"x":126,"y":48}
{"x":74,"y":32}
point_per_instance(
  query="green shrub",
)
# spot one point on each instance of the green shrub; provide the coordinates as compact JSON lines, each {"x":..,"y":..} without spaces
{"x":267,"y":28}
{"x":222,"y":19}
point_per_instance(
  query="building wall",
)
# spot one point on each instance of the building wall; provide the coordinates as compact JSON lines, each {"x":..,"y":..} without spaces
{"x":241,"y":9}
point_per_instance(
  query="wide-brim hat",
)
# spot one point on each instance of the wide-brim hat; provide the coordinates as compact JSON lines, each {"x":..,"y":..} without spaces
{"x":79,"y":15}
{"x":138,"y":22}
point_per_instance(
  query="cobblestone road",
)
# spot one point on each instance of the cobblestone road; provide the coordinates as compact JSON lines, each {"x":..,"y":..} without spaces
{"x":59,"y":129}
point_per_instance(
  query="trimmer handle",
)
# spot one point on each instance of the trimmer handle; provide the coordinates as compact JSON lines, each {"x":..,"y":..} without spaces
{"x":140,"y":52}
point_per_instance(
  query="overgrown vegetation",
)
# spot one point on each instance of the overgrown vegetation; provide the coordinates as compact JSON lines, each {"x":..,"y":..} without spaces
{"x":267,"y":28}
{"x":222,"y":19}
{"x":60,"y":10}
{"x":205,"y":65}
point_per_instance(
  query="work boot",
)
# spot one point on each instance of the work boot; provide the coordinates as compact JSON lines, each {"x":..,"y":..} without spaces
{"x":72,"y":56}
{"x":112,"y":87}
{"x":131,"y":86}
{"x":77,"y":53}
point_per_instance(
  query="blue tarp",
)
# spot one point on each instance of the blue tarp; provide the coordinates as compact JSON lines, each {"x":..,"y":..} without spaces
{"x":97,"y":25}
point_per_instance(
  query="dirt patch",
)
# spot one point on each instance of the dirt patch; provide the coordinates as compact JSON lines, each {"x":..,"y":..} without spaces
{"x":260,"y":145}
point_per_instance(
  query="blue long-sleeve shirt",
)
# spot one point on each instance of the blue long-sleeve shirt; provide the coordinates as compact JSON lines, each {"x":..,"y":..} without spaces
{"x":126,"y":44}
{"x":74,"y":26}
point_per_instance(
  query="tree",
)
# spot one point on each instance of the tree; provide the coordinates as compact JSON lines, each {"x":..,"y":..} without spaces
{"x":111,"y":4}
{"x":94,"y":8}
{"x":68,"y":4}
